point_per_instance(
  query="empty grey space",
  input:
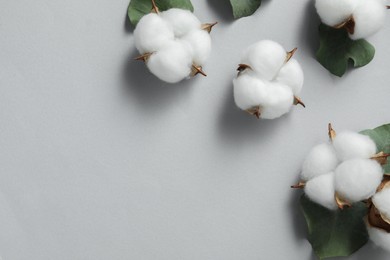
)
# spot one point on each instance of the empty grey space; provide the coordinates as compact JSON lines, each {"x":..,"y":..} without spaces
{"x":100,"y":160}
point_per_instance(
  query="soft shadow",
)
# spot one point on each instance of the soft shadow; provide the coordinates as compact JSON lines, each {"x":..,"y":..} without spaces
{"x":309,"y":33}
{"x":236,"y":125}
{"x":224,"y":10}
{"x":152,"y":93}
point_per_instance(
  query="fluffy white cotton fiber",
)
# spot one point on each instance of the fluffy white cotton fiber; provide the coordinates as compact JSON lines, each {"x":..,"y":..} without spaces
{"x":321,"y":160}
{"x":358,"y":179}
{"x":175,"y":41}
{"x":381,"y":201}
{"x":171,"y":63}
{"x":349,"y":145}
{"x":368,"y":15}
{"x":380,"y":237}
{"x":321,"y":190}
{"x":280,"y":79}
{"x":369,"y":19}
{"x":151,"y":33}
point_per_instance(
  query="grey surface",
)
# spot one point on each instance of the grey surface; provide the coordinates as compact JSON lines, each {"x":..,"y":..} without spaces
{"x":99,"y":160}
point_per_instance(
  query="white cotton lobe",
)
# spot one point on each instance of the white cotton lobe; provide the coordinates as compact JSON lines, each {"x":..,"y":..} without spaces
{"x":321,"y":190}
{"x":200,"y":42}
{"x":369,"y":18}
{"x":349,"y":145}
{"x":265,"y":58}
{"x":357,"y":179}
{"x":380,"y":237}
{"x":291,"y":74}
{"x":249,"y":91}
{"x":334,"y":12}
{"x":279,"y":101}
{"x":381,"y":201}
{"x":182,"y":21}
{"x":151,"y":33}
{"x":172,"y":63}
{"x":320,"y":160}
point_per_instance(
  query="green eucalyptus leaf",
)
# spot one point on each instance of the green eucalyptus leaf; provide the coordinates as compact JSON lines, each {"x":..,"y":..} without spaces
{"x":337,"y":49}
{"x":335,"y":233}
{"x":138,"y":8}
{"x":243,"y":8}
{"x":381,"y":137}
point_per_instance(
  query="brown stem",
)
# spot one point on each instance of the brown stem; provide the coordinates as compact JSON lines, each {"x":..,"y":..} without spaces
{"x":298,"y":101}
{"x":143,"y":57}
{"x":255,"y":111}
{"x":290,"y":54}
{"x":388,"y":6}
{"x":242,"y":67}
{"x":208,"y":26}
{"x":299,"y":185}
{"x":341,"y":203}
{"x":349,"y":25}
{"x":381,"y":158}
{"x":331,"y":132}
{"x":197,"y":70}
{"x":155,"y":8}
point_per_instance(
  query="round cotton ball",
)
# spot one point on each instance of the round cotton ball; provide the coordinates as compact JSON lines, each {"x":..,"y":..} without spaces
{"x":334,"y":12}
{"x":381,"y":201}
{"x":291,"y":74}
{"x":151,"y":33}
{"x":265,"y":58}
{"x":279,"y":102}
{"x":249,"y":91}
{"x":182,"y":21}
{"x":172,"y":63}
{"x":349,"y":145}
{"x":200,"y":42}
{"x":369,"y":19}
{"x":321,"y":160}
{"x":321,"y":190}
{"x":358,"y":179}
{"x":380,"y":237}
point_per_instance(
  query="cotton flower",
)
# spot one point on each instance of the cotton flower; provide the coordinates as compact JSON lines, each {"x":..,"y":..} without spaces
{"x":349,"y":145}
{"x":322,"y":191}
{"x":380,"y":237}
{"x":173,"y":44}
{"x":361,"y":18}
{"x":357,"y":179}
{"x":268,"y":81}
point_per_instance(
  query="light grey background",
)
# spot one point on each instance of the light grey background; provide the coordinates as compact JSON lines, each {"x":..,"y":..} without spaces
{"x":100,"y":160}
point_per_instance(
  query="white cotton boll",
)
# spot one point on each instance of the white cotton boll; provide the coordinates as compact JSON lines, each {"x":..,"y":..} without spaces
{"x":358,"y":179}
{"x":172,"y":63}
{"x":279,"y":101}
{"x":380,"y":237}
{"x":151,"y":33}
{"x":369,"y":19}
{"x":320,"y":160}
{"x":381,"y":201}
{"x":200,"y":42}
{"x":249,"y":91}
{"x":291,"y":74}
{"x":265,"y":58}
{"x":334,"y":12}
{"x":351,"y":145}
{"x":182,"y":21}
{"x":321,"y":190}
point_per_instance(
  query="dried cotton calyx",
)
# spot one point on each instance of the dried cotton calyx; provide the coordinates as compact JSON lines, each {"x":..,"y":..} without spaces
{"x":269,"y":80}
{"x":361,"y":18}
{"x":174,"y":44}
{"x":343,"y":171}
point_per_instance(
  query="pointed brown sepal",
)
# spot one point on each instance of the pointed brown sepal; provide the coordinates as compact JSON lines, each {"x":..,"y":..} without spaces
{"x":331,"y":132}
{"x":143,"y":57}
{"x":348,"y":25}
{"x":290,"y":54}
{"x":299,"y":185}
{"x":242,"y":67}
{"x":381,"y":158}
{"x":255,"y":111}
{"x":197,"y":70}
{"x":208,"y":26}
{"x":298,"y":101}
{"x":388,"y":6}
{"x":155,"y":7}
{"x":341,"y":203}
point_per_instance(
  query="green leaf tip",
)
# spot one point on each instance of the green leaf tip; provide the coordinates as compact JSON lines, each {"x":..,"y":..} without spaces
{"x":242,"y":8}
{"x":335,"y":233}
{"x":138,"y":8}
{"x":337,"y":50}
